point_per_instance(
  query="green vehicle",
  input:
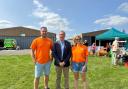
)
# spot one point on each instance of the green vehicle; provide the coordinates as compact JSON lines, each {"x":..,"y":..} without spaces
{"x":10,"y":43}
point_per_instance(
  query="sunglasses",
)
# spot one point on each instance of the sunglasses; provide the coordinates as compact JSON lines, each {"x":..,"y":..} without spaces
{"x":77,"y":39}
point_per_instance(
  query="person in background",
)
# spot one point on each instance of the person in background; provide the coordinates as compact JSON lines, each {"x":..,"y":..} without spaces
{"x":85,"y":43}
{"x":108,"y":47}
{"x":79,"y":60}
{"x":40,"y":52}
{"x":93,"y":48}
{"x":62,"y":54}
{"x":115,"y":50}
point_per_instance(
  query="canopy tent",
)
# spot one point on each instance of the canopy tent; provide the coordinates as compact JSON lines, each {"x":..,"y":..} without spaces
{"x":111,"y":34}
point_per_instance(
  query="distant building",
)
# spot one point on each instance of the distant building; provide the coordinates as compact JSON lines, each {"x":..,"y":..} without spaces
{"x":23,"y":35}
{"x":90,"y":37}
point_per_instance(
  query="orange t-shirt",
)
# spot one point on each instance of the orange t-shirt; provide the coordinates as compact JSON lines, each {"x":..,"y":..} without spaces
{"x":42,"y":47}
{"x":79,"y":53}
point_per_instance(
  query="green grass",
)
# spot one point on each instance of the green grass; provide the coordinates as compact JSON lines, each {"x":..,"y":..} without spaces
{"x":17,"y":72}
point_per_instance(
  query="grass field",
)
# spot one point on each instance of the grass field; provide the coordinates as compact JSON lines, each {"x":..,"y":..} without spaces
{"x":16,"y":72}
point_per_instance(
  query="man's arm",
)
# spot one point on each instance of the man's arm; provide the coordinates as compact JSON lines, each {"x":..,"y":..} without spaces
{"x":69,"y":53}
{"x":33,"y":56}
{"x":51,"y":46}
{"x":54,"y":53}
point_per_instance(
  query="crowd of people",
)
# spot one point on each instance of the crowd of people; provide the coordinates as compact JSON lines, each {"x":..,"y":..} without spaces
{"x":44,"y":50}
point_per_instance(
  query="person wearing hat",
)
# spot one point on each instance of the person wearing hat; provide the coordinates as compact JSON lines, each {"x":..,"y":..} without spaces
{"x":41,"y":48}
{"x":115,"y":50}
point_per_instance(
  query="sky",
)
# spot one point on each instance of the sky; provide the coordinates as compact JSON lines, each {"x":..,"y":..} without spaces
{"x":72,"y":16}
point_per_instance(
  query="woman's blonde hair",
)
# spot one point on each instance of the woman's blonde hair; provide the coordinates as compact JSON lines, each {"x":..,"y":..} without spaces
{"x":75,"y":38}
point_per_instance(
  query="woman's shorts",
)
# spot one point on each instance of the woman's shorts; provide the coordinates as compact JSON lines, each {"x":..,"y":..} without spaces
{"x":79,"y":67}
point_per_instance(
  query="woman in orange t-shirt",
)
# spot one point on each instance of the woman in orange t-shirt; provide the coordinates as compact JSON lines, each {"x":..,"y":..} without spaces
{"x":79,"y":61}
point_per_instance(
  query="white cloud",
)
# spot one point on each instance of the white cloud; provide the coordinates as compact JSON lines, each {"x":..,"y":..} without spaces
{"x":36,"y":2}
{"x":6,"y":23}
{"x":29,"y":26}
{"x":113,"y":20}
{"x":123,"y":7}
{"x":50,"y":19}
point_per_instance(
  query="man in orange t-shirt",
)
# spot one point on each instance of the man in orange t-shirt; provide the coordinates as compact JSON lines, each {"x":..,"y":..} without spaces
{"x":41,"y":47}
{"x":79,"y":62}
